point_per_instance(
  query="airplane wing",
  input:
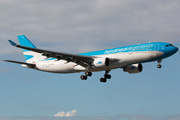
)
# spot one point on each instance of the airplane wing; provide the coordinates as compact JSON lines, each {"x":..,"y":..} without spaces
{"x":79,"y":59}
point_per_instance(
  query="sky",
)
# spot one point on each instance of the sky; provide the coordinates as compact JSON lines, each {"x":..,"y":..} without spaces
{"x":77,"y":26}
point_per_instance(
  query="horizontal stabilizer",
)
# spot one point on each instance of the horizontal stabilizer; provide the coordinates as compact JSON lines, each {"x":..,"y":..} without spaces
{"x":28,"y":64}
{"x":12,"y":43}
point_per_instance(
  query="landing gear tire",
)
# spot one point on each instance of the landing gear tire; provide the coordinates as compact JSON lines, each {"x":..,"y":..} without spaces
{"x":88,"y":74}
{"x":107,"y":76}
{"x":159,"y":66}
{"x":83,"y":77}
{"x":103,"y":80}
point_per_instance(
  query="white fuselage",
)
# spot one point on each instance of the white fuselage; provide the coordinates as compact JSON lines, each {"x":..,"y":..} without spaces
{"x":122,"y":59}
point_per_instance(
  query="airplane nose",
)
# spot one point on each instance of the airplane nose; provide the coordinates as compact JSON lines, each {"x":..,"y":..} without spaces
{"x":175,"y":49}
{"x":172,"y":50}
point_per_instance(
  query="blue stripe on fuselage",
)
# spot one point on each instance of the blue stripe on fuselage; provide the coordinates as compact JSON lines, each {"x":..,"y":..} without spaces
{"x":154,"y":46}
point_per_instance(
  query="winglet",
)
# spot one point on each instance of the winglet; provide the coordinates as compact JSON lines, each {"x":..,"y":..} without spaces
{"x":12,"y":43}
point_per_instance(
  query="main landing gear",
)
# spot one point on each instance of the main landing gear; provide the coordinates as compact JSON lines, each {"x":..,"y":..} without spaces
{"x":84,"y":77}
{"x":106,"y":76}
{"x":159,"y":61}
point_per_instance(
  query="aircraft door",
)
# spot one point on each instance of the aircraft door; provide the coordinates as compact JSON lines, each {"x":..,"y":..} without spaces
{"x":156,"y":47}
{"x":130,"y":51}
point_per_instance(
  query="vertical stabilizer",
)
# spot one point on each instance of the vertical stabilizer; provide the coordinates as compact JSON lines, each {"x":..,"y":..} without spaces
{"x":30,"y":56}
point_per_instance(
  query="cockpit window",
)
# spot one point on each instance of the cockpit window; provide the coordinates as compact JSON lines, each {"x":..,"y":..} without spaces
{"x":169,"y":45}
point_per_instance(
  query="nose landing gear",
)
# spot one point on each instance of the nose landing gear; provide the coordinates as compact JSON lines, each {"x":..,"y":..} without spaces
{"x":159,"y":61}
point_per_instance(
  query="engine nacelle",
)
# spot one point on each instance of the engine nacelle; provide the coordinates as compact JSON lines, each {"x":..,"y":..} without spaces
{"x":134,"y":68}
{"x":101,"y":62}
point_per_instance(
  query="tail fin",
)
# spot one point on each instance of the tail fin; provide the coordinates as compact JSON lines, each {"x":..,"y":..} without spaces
{"x":30,"y":56}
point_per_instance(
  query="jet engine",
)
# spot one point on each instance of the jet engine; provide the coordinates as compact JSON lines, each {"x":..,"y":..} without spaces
{"x":134,"y":68}
{"x":101,"y":62}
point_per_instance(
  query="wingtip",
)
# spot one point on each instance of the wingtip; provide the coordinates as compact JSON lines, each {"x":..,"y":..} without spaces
{"x":6,"y":60}
{"x":12,"y":43}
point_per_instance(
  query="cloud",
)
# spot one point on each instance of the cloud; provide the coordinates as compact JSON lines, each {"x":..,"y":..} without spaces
{"x":70,"y":26}
{"x":71,"y":113}
{"x":68,"y":114}
{"x":60,"y":114}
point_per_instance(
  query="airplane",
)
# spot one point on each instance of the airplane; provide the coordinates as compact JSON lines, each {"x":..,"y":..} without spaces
{"x":129,"y":58}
